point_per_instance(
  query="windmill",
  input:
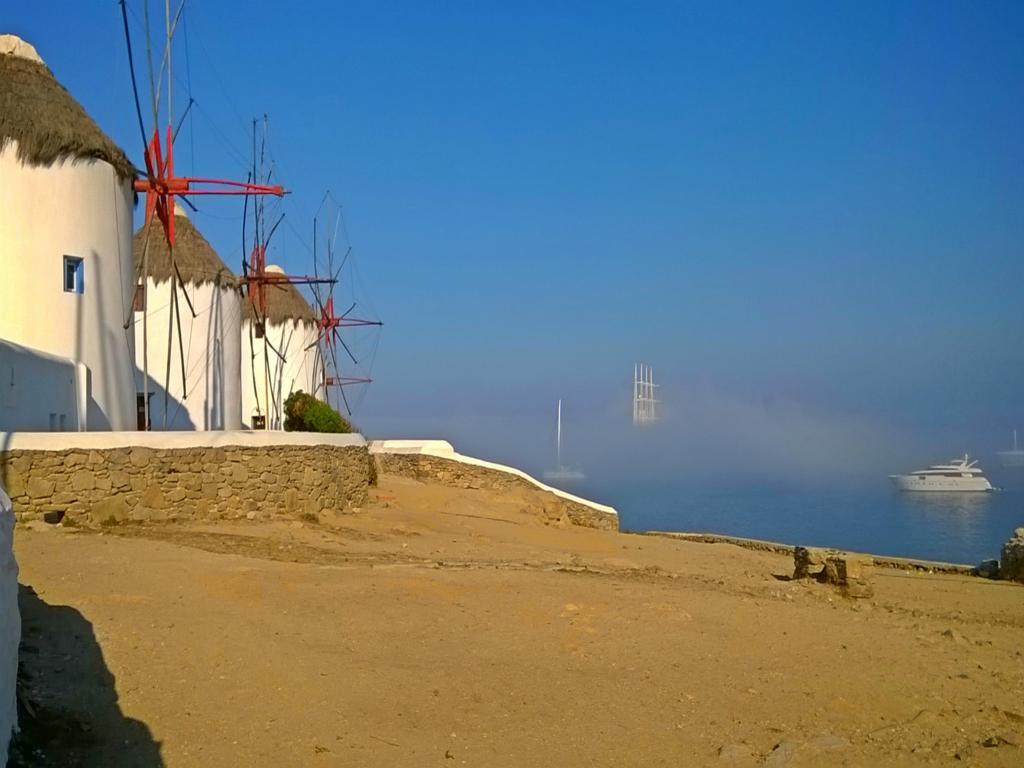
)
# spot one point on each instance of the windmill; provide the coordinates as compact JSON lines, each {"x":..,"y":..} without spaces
{"x":161,"y":186}
{"x":281,"y":325}
{"x":331,"y":374}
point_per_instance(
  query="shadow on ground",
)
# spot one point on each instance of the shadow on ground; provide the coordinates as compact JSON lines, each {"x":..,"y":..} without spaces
{"x":68,"y":709}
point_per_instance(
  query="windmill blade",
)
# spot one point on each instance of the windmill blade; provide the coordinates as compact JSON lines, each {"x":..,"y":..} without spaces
{"x":188,"y":202}
{"x":245,"y":218}
{"x":170,"y":339}
{"x":341,"y":387}
{"x":341,"y":341}
{"x":184,"y":292}
{"x":188,"y":108}
{"x":181,"y":340}
{"x":252,"y":366}
{"x":131,"y":70}
{"x":139,"y":273}
{"x":320,"y":337}
{"x":273,"y":229}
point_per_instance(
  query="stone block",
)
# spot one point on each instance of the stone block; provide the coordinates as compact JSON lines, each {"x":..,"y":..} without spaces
{"x":40,"y":488}
{"x":175,"y":495}
{"x":140,"y":457}
{"x":74,"y":459}
{"x":83,"y":480}
{"x":117,"y":456}
{"x":111,"y":509}
{"x":119,"y":479}
{"x":153,"y":498}
{"x":14,"y":480}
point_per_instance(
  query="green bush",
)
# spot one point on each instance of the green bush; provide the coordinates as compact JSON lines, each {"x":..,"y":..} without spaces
{"x":304,"y":413}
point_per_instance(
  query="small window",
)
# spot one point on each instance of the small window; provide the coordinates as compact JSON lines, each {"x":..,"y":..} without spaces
{"x":139,"y":301}
{"x":73,"y":274}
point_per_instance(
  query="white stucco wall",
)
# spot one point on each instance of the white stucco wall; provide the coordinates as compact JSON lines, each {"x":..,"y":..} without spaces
{"x":10,"y":626}
{"x":38,"y":391}
{"x":279,"y":378}
{"x":212,"y":397}
{"x":77,"y":209}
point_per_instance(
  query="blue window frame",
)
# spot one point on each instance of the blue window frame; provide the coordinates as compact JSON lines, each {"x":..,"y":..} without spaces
{"x":74,"y":274}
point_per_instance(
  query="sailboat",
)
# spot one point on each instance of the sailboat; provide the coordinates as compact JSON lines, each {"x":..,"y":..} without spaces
{"x":1013,"y":458}
{"x":561,"y":472}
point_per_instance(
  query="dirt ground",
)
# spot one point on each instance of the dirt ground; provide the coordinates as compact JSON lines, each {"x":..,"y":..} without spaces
{"x":445,"y":627}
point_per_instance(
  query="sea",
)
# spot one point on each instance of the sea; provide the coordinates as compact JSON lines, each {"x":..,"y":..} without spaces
{"x":950,"y":527}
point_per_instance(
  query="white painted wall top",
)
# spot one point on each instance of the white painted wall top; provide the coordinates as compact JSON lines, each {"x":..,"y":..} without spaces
{"x":442,"y":449}
{"x":63,"y":441}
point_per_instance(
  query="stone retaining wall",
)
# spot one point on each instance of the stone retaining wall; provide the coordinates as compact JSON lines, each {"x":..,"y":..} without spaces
{"x":459,"y":474}
{"x":142,"y":483}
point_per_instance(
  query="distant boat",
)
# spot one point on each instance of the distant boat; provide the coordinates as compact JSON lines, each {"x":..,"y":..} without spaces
{"x":561,"y":472}
{"x":1014,"y":458}
{"x":956,"y":476}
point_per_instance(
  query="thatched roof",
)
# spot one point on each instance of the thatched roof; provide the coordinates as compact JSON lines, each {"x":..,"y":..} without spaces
{"x":43,"y":118}
{"x":197,"y":262}
{"x":284,"y":303}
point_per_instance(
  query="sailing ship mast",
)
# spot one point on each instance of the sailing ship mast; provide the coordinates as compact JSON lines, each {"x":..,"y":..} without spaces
{"x":643,"y":395}
{"x":558,"y":438}
{"x":561,"y":472}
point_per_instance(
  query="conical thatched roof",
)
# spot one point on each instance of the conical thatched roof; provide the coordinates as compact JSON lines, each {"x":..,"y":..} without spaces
{"x":43,"y":118}
{"x":284,"y":303}
{"x":197,"y":262}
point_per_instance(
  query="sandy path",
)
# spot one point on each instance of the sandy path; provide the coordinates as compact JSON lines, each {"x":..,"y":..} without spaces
{"x":443,"y":627}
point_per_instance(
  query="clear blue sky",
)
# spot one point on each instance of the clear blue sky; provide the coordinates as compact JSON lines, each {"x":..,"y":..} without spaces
{"x":799,"y":213}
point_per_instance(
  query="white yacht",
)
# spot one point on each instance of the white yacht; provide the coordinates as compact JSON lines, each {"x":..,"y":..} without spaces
{"x":957,"y":475}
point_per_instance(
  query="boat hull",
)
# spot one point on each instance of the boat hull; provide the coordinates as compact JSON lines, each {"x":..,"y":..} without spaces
{"x":936,"y":483}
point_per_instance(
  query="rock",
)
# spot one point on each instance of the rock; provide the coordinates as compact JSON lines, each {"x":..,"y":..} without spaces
{"x":956,"y":637}
{"x":250,"y":515}
{"x":1011,"y":565}
{"x":987,"y":569}
{"x":737,"y":755}
{"x":782,"y":755}
{"x":808,"y":561}
{"x":851,"y":573}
